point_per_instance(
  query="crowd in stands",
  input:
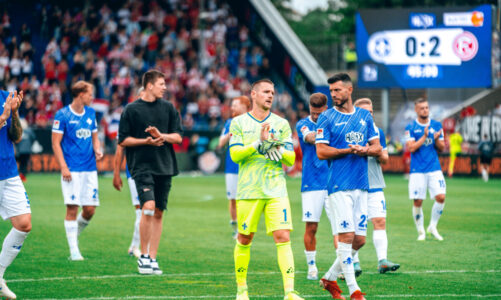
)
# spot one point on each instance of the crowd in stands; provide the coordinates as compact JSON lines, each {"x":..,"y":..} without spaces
{"x":206,"y":55}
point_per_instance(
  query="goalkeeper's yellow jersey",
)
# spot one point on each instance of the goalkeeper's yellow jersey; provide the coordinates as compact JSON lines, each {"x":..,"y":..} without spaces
{"x":258,"y":177}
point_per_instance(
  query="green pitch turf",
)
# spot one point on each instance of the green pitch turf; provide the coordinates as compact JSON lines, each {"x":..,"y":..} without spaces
{"x":196,"y":250}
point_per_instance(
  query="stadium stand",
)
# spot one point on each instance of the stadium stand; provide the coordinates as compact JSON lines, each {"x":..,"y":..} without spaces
{"x":112,"y":43}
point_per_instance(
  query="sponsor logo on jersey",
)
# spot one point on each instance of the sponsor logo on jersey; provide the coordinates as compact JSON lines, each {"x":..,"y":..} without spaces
{"x":73,"y":122}
{"x":83,"y":133}
{"x":320,"y":133}
{"x":354,"y":137}
{"x":55,"y":125}
{"x":341,"y":123}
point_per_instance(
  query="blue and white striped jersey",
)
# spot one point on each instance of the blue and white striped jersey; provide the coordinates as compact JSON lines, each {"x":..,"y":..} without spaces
{"x":8,"y":165}
{"x":339,"y":130}
{"x":77,"y":132}
{"x":315,"y":171}
{"x":425,"y":159}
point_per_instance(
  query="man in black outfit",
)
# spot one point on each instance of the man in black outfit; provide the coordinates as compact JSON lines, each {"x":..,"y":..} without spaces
{"x":148,"y":128}
{"x":486,"y":148}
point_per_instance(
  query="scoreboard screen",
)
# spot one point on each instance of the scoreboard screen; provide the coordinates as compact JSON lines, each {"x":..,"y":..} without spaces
{"x":425,"y":48}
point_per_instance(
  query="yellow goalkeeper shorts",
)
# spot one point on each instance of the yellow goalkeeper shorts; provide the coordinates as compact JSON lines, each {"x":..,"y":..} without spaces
{"x":277,"y":214}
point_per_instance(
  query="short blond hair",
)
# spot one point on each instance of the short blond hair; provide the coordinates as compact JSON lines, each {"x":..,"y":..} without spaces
{"x":80,"y":87}
{"x":362,"y":101}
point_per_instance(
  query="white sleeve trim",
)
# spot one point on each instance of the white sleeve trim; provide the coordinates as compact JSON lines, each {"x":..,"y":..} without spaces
{"x":58,"y":131}
{"x":94,"y":130}
{"x":321,"y":142}
{"x":305,"y":134}
{"x":374,"y":137}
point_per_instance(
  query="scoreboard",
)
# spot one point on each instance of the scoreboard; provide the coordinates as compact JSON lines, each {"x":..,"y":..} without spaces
{"x":425,"y":48}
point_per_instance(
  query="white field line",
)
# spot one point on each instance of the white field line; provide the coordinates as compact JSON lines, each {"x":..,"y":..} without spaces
{"x":223,"y":274}
{"x":399,"y":296}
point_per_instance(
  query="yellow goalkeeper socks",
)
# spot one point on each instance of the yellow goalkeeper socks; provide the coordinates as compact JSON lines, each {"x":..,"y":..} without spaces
{"x":242,"y":258}
{"x":286,"y":264}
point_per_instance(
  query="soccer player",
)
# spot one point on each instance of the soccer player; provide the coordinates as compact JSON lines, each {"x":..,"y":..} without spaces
{"x":486,"y":148}
{"x":424,"y":138}
{"x":76,"y":147}
{"x":455,"y":141}
{"x":313,"y":181}
{"x":239,"y":105}
{"x":376,"y":202}
{"x":260,"y":142}
{"x":345,"y":136}
{"x":148,"y":128}
{"x":117,"y":183}
{"x":14,"y":204}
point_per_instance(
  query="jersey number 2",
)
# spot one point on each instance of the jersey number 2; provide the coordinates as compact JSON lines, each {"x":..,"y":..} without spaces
{"x":363,"y":223}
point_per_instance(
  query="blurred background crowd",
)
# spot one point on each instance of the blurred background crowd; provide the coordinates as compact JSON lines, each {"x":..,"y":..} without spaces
{"x":205,"y":53}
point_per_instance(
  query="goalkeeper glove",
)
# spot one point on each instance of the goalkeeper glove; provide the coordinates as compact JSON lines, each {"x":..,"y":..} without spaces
{"x":275,"y":153}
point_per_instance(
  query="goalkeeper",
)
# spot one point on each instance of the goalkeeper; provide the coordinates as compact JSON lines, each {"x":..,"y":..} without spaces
{"x":260,"y":142}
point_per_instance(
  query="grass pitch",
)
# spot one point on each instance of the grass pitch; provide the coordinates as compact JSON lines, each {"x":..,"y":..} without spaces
{"x":196,"y":250}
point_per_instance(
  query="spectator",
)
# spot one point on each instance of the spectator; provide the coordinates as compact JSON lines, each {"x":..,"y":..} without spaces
{"x":113,"y":47}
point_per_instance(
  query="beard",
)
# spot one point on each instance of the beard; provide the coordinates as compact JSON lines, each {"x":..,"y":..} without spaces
{"x":341,"y":103}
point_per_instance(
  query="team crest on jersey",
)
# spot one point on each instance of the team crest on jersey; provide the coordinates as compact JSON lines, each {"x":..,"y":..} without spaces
{"x":55,"y":125}
{"x":362,"y":122}
{"x":83,"y":133}
{"x":89,"y":121}
{"x":320,"y":133}
{"x":354,"y":137}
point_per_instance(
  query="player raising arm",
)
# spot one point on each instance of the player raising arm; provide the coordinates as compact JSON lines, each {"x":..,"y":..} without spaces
{"x":424,"y":139}
{"x":260,"y":142}
{"x":14,"y":204}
